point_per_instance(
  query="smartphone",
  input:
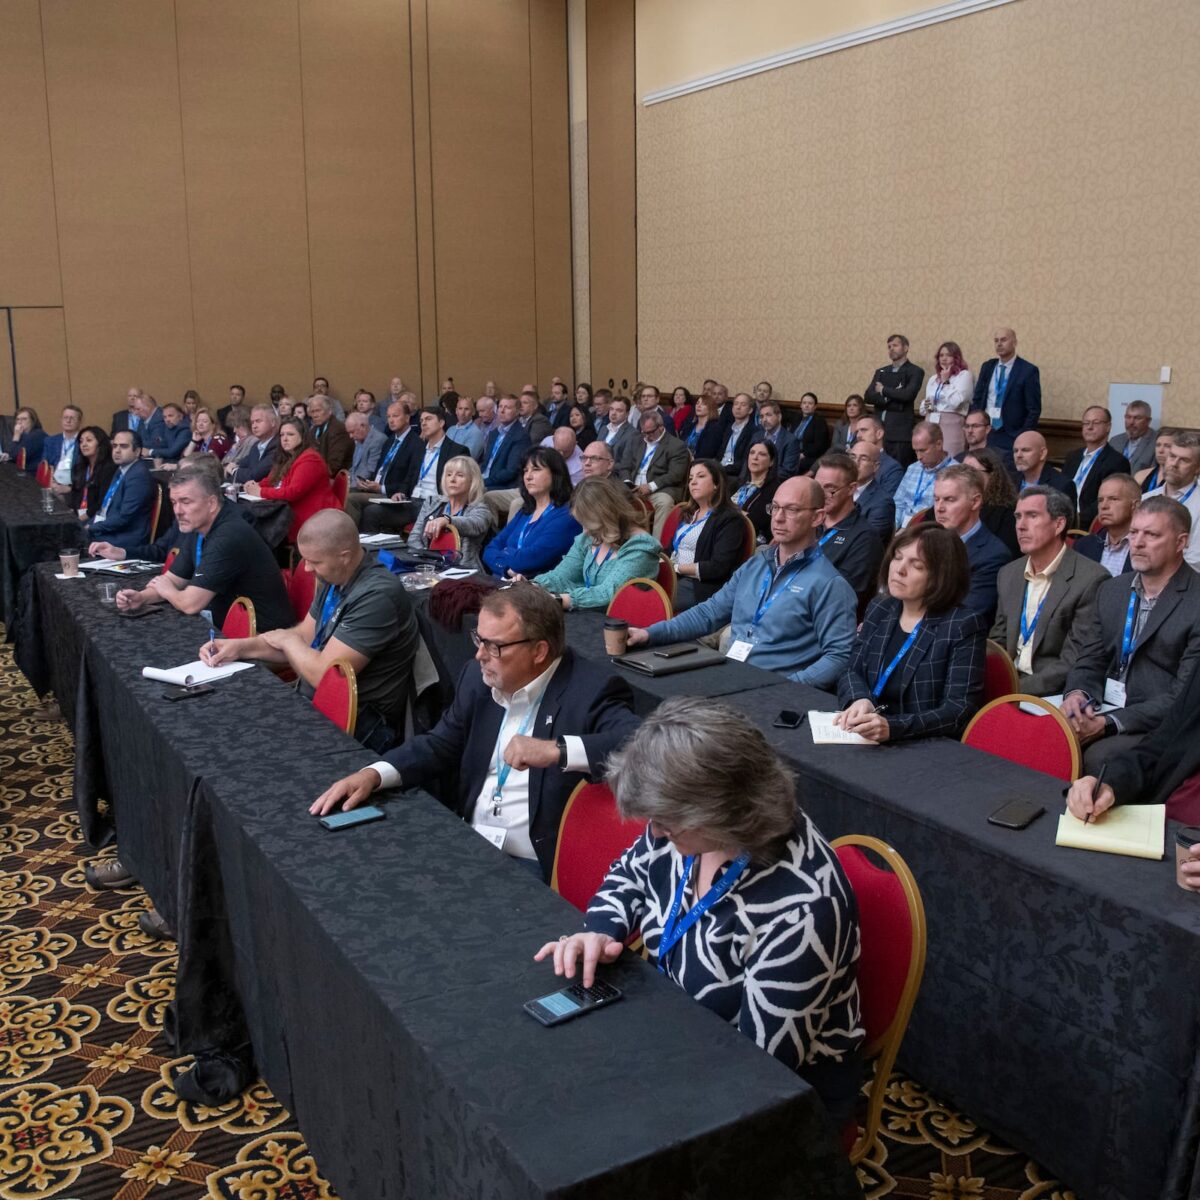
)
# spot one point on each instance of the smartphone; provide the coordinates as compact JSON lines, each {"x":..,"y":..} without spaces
{"x":789,"y":719}
{"x":1016,"y":814}
{"x":175,"y":692}
{"x":675,"y":651}
{"x":572,"y":1001}
{"x":356,"y":816}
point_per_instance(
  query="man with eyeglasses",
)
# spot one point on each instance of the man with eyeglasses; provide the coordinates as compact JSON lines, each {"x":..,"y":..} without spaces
{"x":788,"y":609}
{"x":845,"y":536}
{"x":123,"y":518}
{"x":1089,"y":466}
{"x":598,"y":461}
{"x":529,"y":722}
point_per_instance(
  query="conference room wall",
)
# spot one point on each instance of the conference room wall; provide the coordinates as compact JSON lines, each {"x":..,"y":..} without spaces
{"x":1029,"y":165}
{"x":219,"y":192}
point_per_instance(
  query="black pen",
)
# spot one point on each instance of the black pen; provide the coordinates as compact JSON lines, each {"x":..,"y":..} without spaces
{"x":1096,"y":790}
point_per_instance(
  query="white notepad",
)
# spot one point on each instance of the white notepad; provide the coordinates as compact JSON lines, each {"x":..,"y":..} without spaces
{"x":385,"y":500}
{"x":826,"y":733}
{"x":1138,"y":830}
{"x":194,"y":672}
{"x":1035,"y":711}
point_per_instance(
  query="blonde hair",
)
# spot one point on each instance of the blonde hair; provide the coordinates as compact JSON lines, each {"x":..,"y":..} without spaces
{"x":474,"y":474}
{"x":605,"y":510}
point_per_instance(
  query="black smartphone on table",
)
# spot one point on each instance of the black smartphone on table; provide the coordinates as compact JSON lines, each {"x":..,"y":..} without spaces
{"x":675,"y":651}
{"x":572,"y":1001}
{"x":1016,"y":814}
{"x":789,"y":719}
{"x":174,"y":691}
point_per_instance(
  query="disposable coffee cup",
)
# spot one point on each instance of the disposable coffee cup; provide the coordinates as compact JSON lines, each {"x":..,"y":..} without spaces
{"x":70,"y":563}
{"x":1185,"y":839}
{"x":616,"y":636}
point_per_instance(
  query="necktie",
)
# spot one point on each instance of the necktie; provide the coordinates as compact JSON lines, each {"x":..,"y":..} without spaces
{"x":1001,"y":382}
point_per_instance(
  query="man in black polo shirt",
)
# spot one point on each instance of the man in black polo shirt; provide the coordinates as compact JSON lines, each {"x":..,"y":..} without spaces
{"x":360,"y":613}
{"x":220,"y":558}
{"x":846,"y":536}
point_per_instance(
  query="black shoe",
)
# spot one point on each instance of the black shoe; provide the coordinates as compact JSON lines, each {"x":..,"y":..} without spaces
{"x":153,"y":926}
{"x":106,"y":874}
{"x":217,"y":1077}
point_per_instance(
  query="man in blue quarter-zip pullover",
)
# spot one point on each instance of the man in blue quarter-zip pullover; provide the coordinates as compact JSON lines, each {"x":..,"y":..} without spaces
{"x":787,"y":608}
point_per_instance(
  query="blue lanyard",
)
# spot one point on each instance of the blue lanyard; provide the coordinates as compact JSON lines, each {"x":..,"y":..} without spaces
{"x":693,"y":437}
{"x":804,"y":425}
{"x":1028,"y":628}
{"x":1128,"y":644}
{"x":112,"y":491}
{"x":937,"y":393}
{"x":529,"y":523}
{"x":886,"y":674}
{"x":1152,"y":482}
{"x":503,"y":769}
{"x":647,"y":457}
{"x":922,"y":486}
{"x":767,"y":596}
{"x":1085,"y":466}
{"x":827,"y":537}
{"x":501,"y":434}
{"x":1187,"y":495}
{"x":199,"y":552}
{"x":744,"y":493}
{"x":680,"y":534}
{"x":430,"y":459}
{"x":673,"y":931}
{"x":332,"y":599}
{"x":387,"y":460}
{"x":588,"y":577}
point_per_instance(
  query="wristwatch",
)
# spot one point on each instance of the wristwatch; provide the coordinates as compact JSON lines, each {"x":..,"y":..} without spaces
{"x":1110,"y":725}
{"x":561,"y":743}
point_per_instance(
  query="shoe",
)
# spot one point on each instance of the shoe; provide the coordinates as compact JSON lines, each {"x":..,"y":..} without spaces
{"x":107,"y":873}
{"x":217,"y":1076}
{"x":153,"y":926}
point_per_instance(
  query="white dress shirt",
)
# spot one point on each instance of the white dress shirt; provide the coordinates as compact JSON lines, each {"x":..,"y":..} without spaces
{"x":427,"y":478}
{"x":62,"y":471}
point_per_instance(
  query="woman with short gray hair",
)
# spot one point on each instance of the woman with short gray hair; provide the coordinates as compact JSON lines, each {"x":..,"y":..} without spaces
{"x":736,"y":894}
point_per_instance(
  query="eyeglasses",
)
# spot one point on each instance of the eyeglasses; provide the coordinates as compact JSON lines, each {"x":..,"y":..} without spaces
{"x":493,"y":649}
{"x":790,"y":510}
{"x":596,"y":458}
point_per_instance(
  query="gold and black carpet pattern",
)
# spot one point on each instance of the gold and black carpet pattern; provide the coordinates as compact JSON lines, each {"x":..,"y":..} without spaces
{"x":87,"y":1111}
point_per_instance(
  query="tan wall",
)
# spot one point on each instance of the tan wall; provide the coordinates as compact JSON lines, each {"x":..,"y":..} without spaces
{"x":1032,"y":164}
{"x":210,"y":192}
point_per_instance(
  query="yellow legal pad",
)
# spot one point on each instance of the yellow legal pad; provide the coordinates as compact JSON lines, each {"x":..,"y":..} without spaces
{"x":1138,"y":830}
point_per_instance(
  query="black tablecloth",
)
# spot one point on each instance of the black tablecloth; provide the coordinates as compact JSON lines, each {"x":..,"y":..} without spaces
{"x":28,"y":535}
{"x":1060,"y":1004}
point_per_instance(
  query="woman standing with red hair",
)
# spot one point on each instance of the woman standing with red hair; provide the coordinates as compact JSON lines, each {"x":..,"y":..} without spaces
{"x":948,"y":396}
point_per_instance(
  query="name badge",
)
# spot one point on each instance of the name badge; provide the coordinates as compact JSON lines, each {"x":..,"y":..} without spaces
{"x":739,"y":651}
{"x":493,"y":833}
{"x":1114,"y":693}
{"x":933,"y":417}
{"x":82,"y":514}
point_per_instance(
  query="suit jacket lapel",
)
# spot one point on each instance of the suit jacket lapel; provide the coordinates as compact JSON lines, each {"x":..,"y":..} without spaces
{"x":921,"y":647}
{"x":1166,"y":604}
{"x":545,"y":727}
{"x":1060,"y":583}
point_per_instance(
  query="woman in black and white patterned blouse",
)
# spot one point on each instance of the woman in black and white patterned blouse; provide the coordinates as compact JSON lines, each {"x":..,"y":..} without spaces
{"x":738,"y":897}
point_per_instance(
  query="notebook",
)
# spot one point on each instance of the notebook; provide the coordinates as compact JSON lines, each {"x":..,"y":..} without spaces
{"x":1138,"y":830}
{"x":826,"y":733}
{"x":652,"y":662}
{"x":194,"y":672}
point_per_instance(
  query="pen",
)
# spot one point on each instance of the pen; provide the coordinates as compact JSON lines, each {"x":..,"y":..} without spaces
{"x":1096,"y":790}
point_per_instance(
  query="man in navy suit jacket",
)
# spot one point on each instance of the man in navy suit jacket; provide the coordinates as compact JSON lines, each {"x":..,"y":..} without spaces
{"x":890,"y":472}
{"x":123,"y":518}
{"x":874,"y":503}
{"x":529,"y":721}
{"x":771,"y":429}
{"x":153,"y":428}
{"x":957,"y":500}
{"x":60,"y":449}
{"x":1089,"y":466}
{"x":1009,"y":390}
{"x":504,"y":447}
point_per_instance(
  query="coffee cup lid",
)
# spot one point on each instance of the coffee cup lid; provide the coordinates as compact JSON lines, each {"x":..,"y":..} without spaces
{"x":1189,"y":835}
{"x":615,"y":623}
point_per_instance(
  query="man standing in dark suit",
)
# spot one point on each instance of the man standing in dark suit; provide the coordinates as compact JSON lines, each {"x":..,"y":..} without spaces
{"x":1009,"y":390}
{"x":1043,"y":594}
{"x":1089,"y":466}
{"x":892,"y":392}
{"x":1109,"y":546}
{"x":957,"y":500}
{"x":1142,"y":645}
{"x":333,"y":442}
{"x":529,"y":721}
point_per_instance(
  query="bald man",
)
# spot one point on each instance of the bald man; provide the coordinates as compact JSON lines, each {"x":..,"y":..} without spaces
{"x":359,"y":613}
{"x":1030,"y":459}
{"x":1009,"y":390}
{"x":788,"y":609}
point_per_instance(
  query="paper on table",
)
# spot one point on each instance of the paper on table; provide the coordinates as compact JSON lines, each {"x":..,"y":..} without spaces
{"x":68,"y":576}
{"x":458,"y":572}
{"x":1035,"y":711}
{"x":385,"y":500}
{"x":252,"y":499}
{"x":380,"y":539}
{"x":194,"y":672}
{"x":826,"y":733}
{"x":1136,"y":830}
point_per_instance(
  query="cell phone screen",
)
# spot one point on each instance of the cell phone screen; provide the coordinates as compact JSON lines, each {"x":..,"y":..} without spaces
{"x":789,"y":719}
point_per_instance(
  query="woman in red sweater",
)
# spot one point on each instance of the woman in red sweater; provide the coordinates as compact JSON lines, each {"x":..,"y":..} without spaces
{"x":299,"y":476}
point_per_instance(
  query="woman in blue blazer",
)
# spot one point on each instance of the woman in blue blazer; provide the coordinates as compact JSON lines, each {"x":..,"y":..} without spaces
{"x":917,"y":667}
{"x":538,"y":537}
{"x":27,"y":435}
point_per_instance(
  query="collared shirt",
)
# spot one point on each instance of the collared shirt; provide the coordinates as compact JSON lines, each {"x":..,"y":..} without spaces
{"x":645,"y":457}
{"x":427,"y":480}
{"x":613,"y":431}
{"x":735,"y":432}
{"x":915,"y":492}
{"x":62,"y":471}
{"x":1007,"y":368}
{"x":1037,"y":584}
{"x":1131,"y":446}
{"x":468,"y":435}
{"x":1113,"y":555}
{"x":115,"y":485}
{"x":971,"y":532}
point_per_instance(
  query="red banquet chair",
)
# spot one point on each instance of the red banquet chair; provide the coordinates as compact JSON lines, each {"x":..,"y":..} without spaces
{"x":891,"y":918}
{"x":239,"y":620}
{"x":641,"y":602}
{"x":336,"y":696}
{"x":670,"y":525}
{"x":916,"y":518}
{"x":341,"y":487}
{"x":750,"y":538}
{"x":1073,"y":535}
{"x":591,"y":835}
{"x":45,"y":473}
{"x":301,"y":587}
{"x":172,"y":555}
{"x":1044,"y":743}
{"x":20,"y":459}
{"x":447,"y":540}
{"x":999,"y":673}
{"x":666,"y":579}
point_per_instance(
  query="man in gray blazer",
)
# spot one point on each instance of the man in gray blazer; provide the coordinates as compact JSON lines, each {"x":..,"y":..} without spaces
{"x":1137,"y":442}
{"x":619,"y":433}
{"x":656,"y":466}
{"x":1042,"y":595}
{"x":1142,"y":644}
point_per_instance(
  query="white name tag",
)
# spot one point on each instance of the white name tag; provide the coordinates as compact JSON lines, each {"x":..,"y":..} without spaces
{"x":1114,"y":693}
{"x":494,"y":834}
{"x":739,"y":651}
{"x":933,"y":417}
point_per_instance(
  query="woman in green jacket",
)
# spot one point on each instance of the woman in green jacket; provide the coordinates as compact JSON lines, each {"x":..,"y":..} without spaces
{"x":612,"y":549}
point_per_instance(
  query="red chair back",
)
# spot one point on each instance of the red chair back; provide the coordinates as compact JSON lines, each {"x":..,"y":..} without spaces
{"x":336,"y":696}
{"x":156,"y":511}
{"x":1043,"y":743}
{"x":591,"y":835}
{"x":670,"y":525}
{"x":1000,"y":675}
{"x":750,"y":538}
{"x":448,"y":539}
{"x":1095,"y":526}
{"x":302,"y":586}
{"x":45,"y":473}
{"x":666,"y":579}
{"x":20,"y":459}
{"x":341,"y":487}
{"x":917,"y":517}
{"x":1073,"y":535}
{"x":641,"y":602}
{"x":172,"y":555}
{"x":239,"y":620}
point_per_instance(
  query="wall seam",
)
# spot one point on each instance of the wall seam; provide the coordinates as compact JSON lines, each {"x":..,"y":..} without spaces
{"x":187,"y":216}
{"x":412,"y":129}
{"x":437,"y":358}
{"x":312,"y":318}
{"x":533,"y":226}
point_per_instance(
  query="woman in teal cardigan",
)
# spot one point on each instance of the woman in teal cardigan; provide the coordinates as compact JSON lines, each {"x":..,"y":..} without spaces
{"x":612,"y":549}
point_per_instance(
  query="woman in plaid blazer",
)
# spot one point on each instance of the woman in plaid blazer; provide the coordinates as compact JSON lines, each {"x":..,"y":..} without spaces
{"x":917,"y":666}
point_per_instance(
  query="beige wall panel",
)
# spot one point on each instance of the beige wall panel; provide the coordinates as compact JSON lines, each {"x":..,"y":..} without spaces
{"x":551,"y":135}
{"x":28,"y":235}
{"x":361,"y":203}
{"x":114,"y":128}
{"x":427,"y":383}
{"x":482,"y":173}
{"x":790,"y":221}
{"x":580,"y":261}
{"x":41,"y":341}
{"x":239,"y":67}
{"x":612,"y":191}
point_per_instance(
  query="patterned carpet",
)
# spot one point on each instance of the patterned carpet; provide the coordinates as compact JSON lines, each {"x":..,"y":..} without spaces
{"x":86,"y":1107}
